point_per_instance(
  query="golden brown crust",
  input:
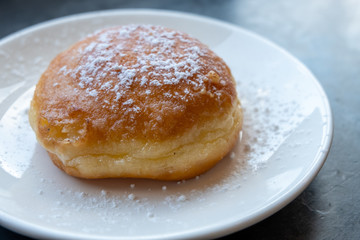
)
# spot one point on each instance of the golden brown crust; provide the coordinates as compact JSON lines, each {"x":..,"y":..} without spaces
{"x":137,"y":83}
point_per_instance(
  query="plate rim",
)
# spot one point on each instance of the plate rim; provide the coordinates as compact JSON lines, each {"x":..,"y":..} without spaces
{"x":214,"y":230}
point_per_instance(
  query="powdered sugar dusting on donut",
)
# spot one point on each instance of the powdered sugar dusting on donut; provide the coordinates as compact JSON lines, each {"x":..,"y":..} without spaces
{"x":159,"y":58}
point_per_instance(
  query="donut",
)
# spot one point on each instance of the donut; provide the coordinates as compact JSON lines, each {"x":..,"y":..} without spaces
{"x":136,"y":101}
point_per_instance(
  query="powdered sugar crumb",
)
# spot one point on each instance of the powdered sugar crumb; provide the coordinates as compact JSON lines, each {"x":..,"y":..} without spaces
{"x":128,"y":102}
{"x":131,"y":196}
{"x":93,"y":93}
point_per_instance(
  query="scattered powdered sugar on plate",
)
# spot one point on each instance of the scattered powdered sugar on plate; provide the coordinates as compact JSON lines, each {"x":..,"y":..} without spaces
{"x":268,"y":121}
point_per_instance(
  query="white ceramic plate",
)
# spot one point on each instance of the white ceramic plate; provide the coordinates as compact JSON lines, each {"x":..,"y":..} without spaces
{"x":286,"y":137}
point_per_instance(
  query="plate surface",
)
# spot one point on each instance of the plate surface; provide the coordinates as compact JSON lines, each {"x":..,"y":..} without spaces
{"x":286,"y":136}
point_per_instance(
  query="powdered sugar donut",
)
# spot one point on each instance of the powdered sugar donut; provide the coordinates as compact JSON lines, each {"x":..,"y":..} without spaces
{"x":138,"y":101}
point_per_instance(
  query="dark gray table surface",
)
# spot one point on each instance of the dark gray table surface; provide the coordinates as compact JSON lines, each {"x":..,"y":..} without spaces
{"x":325,"y":36}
